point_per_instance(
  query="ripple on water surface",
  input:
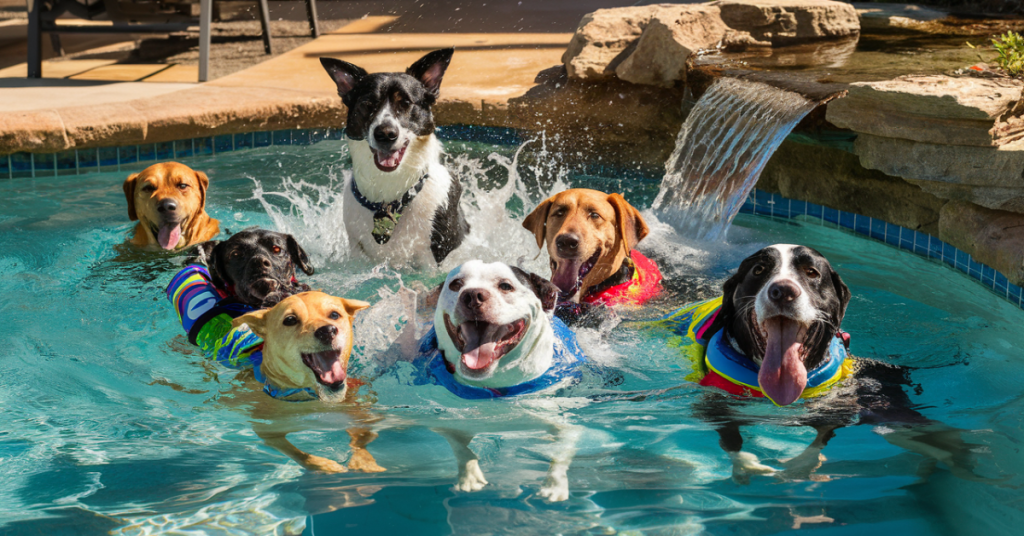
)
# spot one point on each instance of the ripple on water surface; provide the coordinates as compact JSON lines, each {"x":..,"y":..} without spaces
{"x":114,"y":423}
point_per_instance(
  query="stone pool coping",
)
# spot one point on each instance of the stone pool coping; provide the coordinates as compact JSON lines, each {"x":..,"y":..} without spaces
{"x":758,"y":203}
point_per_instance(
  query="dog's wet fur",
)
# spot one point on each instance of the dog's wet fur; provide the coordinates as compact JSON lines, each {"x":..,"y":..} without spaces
{"x":390,"y":135}
{"x":257,"y":266}
{"x":800,"y":284}
{"x":169,"y":202}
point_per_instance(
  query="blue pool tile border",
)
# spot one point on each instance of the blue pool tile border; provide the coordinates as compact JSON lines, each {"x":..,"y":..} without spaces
{"x":131,"y":157}
{"x":925,"y":245}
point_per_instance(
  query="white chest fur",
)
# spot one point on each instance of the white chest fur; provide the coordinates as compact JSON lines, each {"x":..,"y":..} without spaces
{"x":409,"y":244}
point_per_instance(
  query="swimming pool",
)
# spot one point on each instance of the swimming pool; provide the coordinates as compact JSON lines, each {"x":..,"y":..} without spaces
{"x":113,"y":423}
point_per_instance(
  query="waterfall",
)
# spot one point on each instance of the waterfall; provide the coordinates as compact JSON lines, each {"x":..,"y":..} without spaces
{"x":720,"y":151}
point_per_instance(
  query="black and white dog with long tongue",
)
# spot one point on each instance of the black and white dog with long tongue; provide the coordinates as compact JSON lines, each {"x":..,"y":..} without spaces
{"x":401,"y":198}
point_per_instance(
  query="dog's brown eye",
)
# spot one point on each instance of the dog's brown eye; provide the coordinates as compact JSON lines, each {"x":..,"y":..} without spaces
{"x":812,"y":273}
{"x":759,"y":269}
{"x":559,"y":213}
{"x":334,"y":315}
{"x":235,"y":254}
{"x":594,"y":216}
{"x":277,"y":249}
{"x":183,"y":186}
{"x":290,"y":320}
{"x":454,"y":286}
{"x":148,"y":188}
{"x":505,"y":286}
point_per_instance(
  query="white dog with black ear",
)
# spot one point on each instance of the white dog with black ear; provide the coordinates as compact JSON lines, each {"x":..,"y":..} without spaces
{"x":494,"y":336}
{"x":401,"y":198}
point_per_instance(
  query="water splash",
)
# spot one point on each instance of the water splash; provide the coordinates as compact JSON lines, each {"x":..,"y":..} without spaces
{"x":720,"y":151}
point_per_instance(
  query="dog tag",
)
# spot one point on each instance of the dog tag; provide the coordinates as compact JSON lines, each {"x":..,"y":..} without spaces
{"x":384,"y":222}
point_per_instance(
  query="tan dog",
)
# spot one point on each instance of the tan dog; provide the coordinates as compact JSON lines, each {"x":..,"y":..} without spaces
{"x":307,"y":341}
{"x":169,"y":201}
{"x":589,"y":236}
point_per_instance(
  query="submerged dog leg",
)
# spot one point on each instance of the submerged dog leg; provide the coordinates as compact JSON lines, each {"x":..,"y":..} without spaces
{"x":361,"y":459}
{"x":803,"y":466}
{"x":471,"y":478}
{"x":744,"y":464}
{"x":279,"y":442}
{"x":556,"y":485}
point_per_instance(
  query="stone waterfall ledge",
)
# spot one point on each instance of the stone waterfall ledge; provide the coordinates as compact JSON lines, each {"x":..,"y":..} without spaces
{"x":937,"y":109}
{"x":650,"y":44}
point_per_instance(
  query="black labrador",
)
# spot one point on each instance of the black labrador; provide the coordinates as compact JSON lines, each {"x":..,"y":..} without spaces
{"x":257,"y":266}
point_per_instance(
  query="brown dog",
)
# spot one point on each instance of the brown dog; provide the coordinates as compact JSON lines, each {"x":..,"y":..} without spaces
{"x":307,"y":341}
{"x":590,"y":236}
{"x":169,"y":200}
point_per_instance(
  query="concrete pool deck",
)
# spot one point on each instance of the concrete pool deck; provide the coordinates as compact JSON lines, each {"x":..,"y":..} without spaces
{"x":501,"y":49}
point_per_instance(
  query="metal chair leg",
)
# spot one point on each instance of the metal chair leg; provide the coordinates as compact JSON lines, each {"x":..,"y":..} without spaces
{"x":265,"y":22}
{"x":57,"y":47}
{"x":205,"y":19}
{"x":35,"y":39}
{"x":314,"y":24}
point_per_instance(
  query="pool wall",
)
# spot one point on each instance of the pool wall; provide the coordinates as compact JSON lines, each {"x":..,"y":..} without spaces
{"x":760,"y":203}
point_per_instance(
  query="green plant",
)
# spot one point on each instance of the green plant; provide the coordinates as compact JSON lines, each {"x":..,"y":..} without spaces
{"x":1010,"y":47}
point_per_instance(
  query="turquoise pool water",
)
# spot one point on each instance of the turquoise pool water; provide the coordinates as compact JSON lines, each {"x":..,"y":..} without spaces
{"x":112,"y":423}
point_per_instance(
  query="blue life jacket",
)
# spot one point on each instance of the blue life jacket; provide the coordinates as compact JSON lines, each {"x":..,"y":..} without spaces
{"x":566,"y":363}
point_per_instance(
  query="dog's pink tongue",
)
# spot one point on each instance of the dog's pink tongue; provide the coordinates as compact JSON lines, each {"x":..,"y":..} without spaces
{"x":169,"y":235}
{"x":481,"y":348}
{"x":327,"y":366}
{"x":566,"y":276}
{"x":334,"y":374}
{"x":783,"y":375}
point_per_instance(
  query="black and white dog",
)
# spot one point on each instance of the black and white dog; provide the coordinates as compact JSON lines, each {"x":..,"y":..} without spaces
{"x":781,"y":310}
{"x":401,"y":197}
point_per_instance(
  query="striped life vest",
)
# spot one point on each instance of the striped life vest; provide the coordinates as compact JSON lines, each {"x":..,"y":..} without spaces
{"x":717,"y":364}
{"x":205,"y":312}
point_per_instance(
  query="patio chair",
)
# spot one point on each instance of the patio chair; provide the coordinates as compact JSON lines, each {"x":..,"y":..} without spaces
{"x":136,"y":16}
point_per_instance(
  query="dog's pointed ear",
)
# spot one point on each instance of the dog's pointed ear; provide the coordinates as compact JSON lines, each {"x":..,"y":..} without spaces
{"x":344,"y":74}
{"x":354,"y":306}
{"x":843,"y":292}
{"x":204,"y":182}
{"x":429,"y":69}
{"x":129,"y":194}
{"x":536,"y":222}
{"x":215,"y":265}
{"x":299,"y":256}
{"x":545,"y":290}
{"x":256,"y":320}
{"x":631,"y":225}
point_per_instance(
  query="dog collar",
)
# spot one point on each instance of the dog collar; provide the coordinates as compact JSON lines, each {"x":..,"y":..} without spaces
{"x":567,"y":358}
{"x":386,"y":215}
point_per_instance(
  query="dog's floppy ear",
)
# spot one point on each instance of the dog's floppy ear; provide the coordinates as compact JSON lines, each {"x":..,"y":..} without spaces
{"x":299,"y":256}
{"x":536,"y":222}
{"x":129,"y":194}
{"x":844,"y":295}
{"x":631,"y":225}
{"x":215,"y":265}
{"x":344,"y":74}
{"x":728,"y":310}
{"x":429,"y":69}
{"x":354,"y":306}
{"x":256,"y":320}
{"x":545,"y":290}
{"x":204,"y":182}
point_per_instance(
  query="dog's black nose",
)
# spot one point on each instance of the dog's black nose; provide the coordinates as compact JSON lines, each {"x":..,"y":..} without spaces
{"x":567,"y":243}
{"x":326,"y":334}
{"x":783,"y":291}
{"x":474,"y":298}
{"x":167,"y":205}
{"x":385,"y":133}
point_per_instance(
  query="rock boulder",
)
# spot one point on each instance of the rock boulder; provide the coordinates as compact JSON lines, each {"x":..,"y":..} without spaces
{"x":992,"y":237}
{"x":788,"y":21}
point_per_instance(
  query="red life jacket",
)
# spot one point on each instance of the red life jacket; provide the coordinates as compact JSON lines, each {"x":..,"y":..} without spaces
{"x":644,"y":285}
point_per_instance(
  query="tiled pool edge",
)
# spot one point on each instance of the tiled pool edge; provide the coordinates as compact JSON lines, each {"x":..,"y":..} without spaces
{"x":763,"y":203}
{"x":107,"y":159}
